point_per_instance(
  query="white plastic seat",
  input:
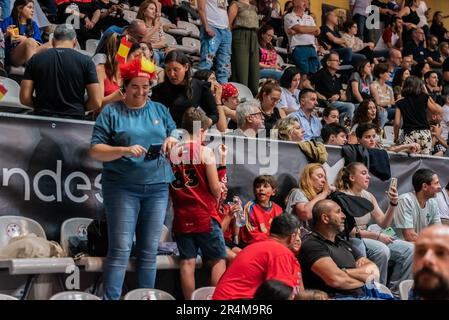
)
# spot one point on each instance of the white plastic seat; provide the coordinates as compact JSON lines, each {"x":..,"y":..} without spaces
{"x":165,"y":21}
{"x":148,"y":294}
{"x":73,"y":227}
{"x":14,"y":226}
{"x":7,"y":297}
{"x":244,"y":91}
{"x":171,"y":41}
{"x":190,"y":27}
{"x":281,"y":50}
{"x":280,"y":62}
{"x":91,"y":45}
{"x":204,"y":293}
{"x":12,"y":97}
{"x":74,"y":295}
{"x":404,"y":288}
{"x":129,"y":15}
{"x":191,"y":45}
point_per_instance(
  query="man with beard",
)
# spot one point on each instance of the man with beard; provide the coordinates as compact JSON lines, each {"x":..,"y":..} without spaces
{"x":328,"y":262}
{"x":431,"y":264}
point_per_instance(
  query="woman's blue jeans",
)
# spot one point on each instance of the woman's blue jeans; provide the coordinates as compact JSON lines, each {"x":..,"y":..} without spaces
{"x":130,"y":208}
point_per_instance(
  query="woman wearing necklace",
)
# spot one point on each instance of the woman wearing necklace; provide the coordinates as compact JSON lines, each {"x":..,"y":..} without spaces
{"x":269,"y":95}
{"x":148,"y":12}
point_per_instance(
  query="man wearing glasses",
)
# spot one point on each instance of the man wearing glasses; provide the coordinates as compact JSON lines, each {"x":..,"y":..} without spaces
{"x":249,"y":119}
{"x":415,"y":46}
{"x":329,"y":87}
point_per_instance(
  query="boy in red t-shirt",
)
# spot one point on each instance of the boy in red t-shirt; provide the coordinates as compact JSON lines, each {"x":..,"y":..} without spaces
{"x":195,"y":192}
{"x":260,"y":212}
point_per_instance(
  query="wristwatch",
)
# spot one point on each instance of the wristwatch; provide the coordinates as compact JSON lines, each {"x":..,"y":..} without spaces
{"x":345,"y":270}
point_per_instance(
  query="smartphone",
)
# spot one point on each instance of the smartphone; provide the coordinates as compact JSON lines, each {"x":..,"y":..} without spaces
{"x":390,"y":232}
{"x":153,"y":151}
{"x":393,"y":183}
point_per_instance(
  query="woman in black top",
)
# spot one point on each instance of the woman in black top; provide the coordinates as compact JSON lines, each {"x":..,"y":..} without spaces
{"x":410,"y":19}
{"x":180,"y":91}
{"x":269,"y":95}
{"x":412,"y":108}
{"x":437,"y":28}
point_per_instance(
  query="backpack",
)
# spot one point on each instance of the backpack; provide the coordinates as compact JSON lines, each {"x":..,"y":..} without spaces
{"x":97,"y":238}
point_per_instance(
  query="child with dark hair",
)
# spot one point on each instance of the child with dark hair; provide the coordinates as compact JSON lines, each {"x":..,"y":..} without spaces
{"x":195,"y":192}
{"x":260,"y":212}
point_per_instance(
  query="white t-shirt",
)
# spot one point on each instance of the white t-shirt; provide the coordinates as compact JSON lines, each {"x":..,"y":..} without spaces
{"x":360,"y":7}
{"x":381,"y":45}
{"x":421,"y":11}
{"x":291,"y":20}
{"x":289,"y":100}
{"x":444,"y":121}
{"x":409,"y":215}
{"x":443,"y":204}
{"x":217,"y":15}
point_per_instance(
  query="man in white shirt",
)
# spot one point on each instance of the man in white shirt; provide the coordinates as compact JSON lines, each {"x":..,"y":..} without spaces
{"x":443,"y":205}
{"x":302,"y":30}
{"x":216,"y":38}
{"x":417,"y":210}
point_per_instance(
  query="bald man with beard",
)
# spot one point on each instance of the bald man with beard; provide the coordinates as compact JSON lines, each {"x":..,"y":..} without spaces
{"x":431,"y":264}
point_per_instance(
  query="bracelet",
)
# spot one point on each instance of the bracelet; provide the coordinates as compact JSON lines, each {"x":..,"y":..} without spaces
{"x":393,"y":204}
{"x":378,"y":236}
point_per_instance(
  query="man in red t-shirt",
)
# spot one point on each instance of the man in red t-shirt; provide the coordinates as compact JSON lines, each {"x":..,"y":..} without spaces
{"x":273,"y":258}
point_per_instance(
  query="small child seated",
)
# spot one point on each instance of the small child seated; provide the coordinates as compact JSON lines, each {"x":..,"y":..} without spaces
{"x":260,"y":212}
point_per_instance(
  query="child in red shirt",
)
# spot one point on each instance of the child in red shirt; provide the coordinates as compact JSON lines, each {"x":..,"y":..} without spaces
{"x":260,"y":212}
{"x":195,"y":193}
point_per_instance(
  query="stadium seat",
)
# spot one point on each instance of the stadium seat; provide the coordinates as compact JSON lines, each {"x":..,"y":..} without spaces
{"x":404,"y":288}
{"x":91,"y":45}
{"x":190,"y":27}
{"x":74,"y":295}
{"x":282,"y":64}
{"x":204,"y":293}
{"x":7,"y":297}
{"x":171,"y":41}
{"x":148,"y":294}
{"x":191,"y":45}
{"x":73,"y":227}
{"x":244,"y":91}
{"x":11,"y":99}
{"x":129,"y":15}
{"x":165,"y":21}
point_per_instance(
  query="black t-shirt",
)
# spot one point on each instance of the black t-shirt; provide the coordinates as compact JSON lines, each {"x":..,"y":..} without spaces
{"x":323,"y":36}
{"x":446,"y":65}
{"x":438,"y":31}
{"x":417,"y":51}
{"x":175,"y":99}
{"x":316,"y":247}
{"x":414,"y":112}
{"x":325,"y":83}
{"x":60,"y":76}
{"x":435,"y":55}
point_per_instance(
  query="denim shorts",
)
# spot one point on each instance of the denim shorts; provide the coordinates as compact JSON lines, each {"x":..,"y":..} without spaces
{"x":211,"y":244}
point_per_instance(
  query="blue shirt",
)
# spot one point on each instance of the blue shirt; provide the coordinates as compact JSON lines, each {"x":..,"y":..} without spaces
{"x":118,"y":125}
{"x":311,"y":126}
{"x":9,"y":45}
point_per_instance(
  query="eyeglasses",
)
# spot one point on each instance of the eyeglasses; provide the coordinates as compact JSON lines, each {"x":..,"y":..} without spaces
{"x":256,"y":114}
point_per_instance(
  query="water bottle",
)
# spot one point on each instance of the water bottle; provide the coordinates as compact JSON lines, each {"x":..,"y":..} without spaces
{"x":240,"y":219}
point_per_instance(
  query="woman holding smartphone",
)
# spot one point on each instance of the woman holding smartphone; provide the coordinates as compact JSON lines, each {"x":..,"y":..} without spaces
{"x":379,"y":247}
{"x":135,"y":186}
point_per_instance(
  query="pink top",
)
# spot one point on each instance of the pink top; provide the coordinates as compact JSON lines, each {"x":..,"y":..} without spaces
{"x":268,"y":56}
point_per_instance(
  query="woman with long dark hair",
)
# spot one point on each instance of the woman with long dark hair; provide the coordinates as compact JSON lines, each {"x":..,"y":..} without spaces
{"x":437,"y":28}
{"x":412,"y":110}
{"x":180,"y":91}
{"x":22,"y":34}
{"x":268,"y":55}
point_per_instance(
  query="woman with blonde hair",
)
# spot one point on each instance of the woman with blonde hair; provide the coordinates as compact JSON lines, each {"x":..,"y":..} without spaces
{"x":313,"y":187}
{"x":378,"y":246}
{"x":289,"y":129}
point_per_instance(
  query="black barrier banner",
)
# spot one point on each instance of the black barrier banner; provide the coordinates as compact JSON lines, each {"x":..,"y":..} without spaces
{"x":47,"y":175}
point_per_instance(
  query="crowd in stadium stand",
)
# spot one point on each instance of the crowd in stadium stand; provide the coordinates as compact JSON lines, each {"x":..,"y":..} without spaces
{"x":344,"y":85}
